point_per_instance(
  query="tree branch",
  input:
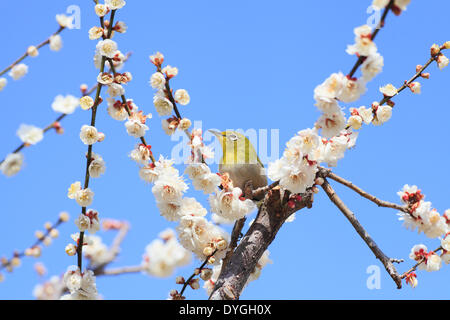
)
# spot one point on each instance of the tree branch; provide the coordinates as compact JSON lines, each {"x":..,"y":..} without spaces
{"x":273,"y":213}
{"x":21,"y":58}
{"x":381,"y":203}
{"x":386,"y":261}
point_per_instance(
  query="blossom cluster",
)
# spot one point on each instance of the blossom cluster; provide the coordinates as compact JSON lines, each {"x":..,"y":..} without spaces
{"x":296,"y":169}
{"x":163,"y":255}
{"x":164,"y":100}
{"x":424,"y":218}
{"x":421,"y":215}
{"x":195,"y":232}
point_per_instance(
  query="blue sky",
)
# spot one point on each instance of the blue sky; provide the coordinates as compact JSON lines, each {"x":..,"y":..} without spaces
{"x":246,"y":64}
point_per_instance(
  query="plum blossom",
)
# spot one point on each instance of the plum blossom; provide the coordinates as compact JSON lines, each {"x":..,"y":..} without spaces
{"x":65,"y":104}
{"x":30,"y":134}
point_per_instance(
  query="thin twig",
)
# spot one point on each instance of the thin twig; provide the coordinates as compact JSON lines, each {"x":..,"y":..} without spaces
{"x":21,"y":58}
{"x":4,"y":265}
{"x":414,"y":77}
{"x":52,"y":124}
{"x":186,"y":283}
{"x":386,"y":261}
{"x":417,"y":264}
{"x":380,"y":203}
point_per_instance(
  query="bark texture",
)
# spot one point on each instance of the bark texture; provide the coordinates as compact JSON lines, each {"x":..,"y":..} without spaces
{"x":272,"y":214}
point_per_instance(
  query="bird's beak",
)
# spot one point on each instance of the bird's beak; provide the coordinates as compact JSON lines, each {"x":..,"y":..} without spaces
{"x":218,"y":134}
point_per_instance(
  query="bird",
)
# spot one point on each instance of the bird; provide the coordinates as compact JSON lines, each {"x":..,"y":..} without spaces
{"x":240,"y":160}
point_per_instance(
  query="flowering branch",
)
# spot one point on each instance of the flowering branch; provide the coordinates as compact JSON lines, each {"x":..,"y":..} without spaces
{"x":205,"y":274}
{"x":35,"y":249}
{"x":30,"y":52}
{"x":55,"y":124}
{"x":89,"y":153}
{"x":436,"y":53}
{"x":380,"y":25}
{"x":386,"y":261}
{"x":127,"y":108}
{"x":421,"y":260}
{"x":381,"y":203}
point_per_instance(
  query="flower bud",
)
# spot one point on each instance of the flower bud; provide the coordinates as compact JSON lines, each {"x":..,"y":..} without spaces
{"x":208,"y":251}
{"x":179,"y":280}
{"x":194,"y":284}
{"x":434,"y":49}
{"x":206,"y":274}
{"x":64,"y":216}
{"x":54,"y":233}
{"x":39,"y":234}
{"x":32,"y":51}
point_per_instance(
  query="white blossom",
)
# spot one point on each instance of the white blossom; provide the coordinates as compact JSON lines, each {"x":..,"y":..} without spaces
{"x":30,"y":134}
{"x":352,"y":89}
{"x":229,"y":205}
{"x":89,"y":134}
{"x":115,"y":4}
{"x":101,"y":10}
{"x":97,"y":166}
{"x":95,"y":33}
{"x":162,"y":256}
{"x":96,"y":251}
{"x":55,"y":42}
{"x":12,"y":164}
{"x":364,"y":46}
{"x":388,"y":90}
{"x":169,"y":188}
{"x":200,"y":236}
{"x":141,"y":154}
{"x":3,"y":82}
{"x":182,"y":97}
{"x":107,"y":48}
{"x":331,"y":124}
{"x":115,"y":89}
{"x":442,"y":61}
{"x":383,"y":114}
{"x":64,"y":21}
{"x":157,"y":80}
{"x":163,"y":106}
{"x":65,"y":104}
{"x":135,"y":127}
{"x":372,"y":66}
{"x":32,"y":51}
{"x":18,"y":71}
{"x":84,"y":197}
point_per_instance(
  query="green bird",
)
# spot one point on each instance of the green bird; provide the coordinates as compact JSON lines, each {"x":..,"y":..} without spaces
{"x":240,"y":160}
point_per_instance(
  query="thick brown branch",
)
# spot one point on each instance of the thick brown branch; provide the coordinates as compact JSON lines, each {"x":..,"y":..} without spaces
{"x":262,"y":232}
{"x":386,"y":261}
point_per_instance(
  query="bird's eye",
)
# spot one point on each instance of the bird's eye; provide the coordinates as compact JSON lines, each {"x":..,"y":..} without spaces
{"x":232,"y":137}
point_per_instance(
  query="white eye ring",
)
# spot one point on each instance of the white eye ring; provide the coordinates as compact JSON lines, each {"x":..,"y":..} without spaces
{"x":232,"y":137}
